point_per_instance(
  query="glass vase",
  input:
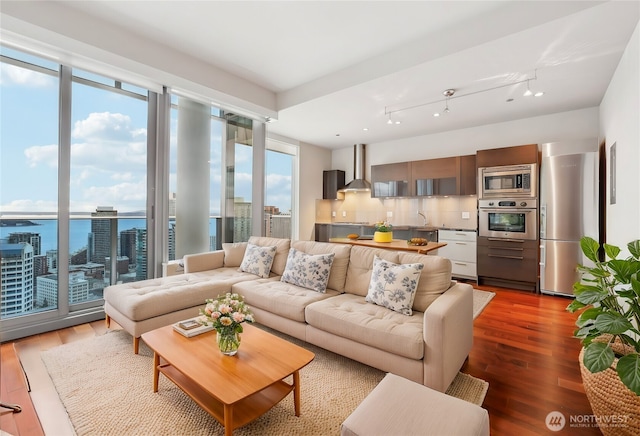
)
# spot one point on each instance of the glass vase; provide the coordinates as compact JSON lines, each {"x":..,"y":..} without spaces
{"x":228,"y":342}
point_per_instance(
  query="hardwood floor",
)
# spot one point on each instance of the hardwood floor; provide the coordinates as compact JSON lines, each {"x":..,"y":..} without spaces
{"x":522,"y":347}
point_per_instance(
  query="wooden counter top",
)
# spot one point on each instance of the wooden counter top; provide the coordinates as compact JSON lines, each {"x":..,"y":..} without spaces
{"x":396,"y":244}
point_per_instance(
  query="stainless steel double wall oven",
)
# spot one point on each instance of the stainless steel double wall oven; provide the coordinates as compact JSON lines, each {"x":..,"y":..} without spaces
{"x":508,"y":226}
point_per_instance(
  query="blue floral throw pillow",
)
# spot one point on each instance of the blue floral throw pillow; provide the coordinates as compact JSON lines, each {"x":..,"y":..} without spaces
{"x":257,"y":260}
{"x":394,"y":285}
{"x":307,"y":270}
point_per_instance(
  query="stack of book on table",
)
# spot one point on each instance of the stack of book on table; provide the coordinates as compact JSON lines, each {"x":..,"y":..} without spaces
{"x":191,"y":327}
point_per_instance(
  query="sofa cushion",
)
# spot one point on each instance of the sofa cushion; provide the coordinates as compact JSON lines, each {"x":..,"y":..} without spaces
{"x":309,"y":271}
{"x":394,"y":285}
{"x":361,"y":266}
{"x":351,"y":317}
{"x":435,"y":278}
{"x":234,"y":253}
{"x":282,"y":251}
{"x":258,"y":260}
{"x":146,"y":299}
{"x":280,"y":298}
{"x":338,"y":273}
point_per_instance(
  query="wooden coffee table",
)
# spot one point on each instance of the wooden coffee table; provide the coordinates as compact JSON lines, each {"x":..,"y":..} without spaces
{"x":235,"y":390}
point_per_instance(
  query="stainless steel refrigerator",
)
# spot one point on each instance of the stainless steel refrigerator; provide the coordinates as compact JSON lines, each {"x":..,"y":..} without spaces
{"x":569,"y":209}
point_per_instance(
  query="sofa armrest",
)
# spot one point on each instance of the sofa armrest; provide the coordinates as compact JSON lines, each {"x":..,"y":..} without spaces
{"x":448,"y":335}
{"x":203,"y":261}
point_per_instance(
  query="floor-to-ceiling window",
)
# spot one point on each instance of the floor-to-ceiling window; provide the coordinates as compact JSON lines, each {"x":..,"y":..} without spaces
{"x":29,"y":88}
{"x":108,"y":186}
{"x":82,"y":157}
{"x":280,"y":169}
{"x":73,"y":189}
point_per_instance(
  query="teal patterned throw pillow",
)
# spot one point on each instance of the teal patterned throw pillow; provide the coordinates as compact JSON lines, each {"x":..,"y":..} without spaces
{"x":394,"y":285}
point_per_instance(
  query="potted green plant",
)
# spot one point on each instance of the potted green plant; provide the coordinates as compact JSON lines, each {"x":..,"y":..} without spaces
{"x":383,"y":232}
{"x":608,"y":295}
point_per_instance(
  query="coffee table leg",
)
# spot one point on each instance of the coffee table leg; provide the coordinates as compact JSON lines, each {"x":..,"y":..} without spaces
{"x":156,"y":371}
{"x":296,"y":392}
{"x":228,"y":420}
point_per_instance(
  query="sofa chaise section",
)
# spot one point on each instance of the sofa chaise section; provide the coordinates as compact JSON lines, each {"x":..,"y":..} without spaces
{"x":142,"y":306}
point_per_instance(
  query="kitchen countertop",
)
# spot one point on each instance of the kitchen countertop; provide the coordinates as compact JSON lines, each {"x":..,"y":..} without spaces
{"x":396,"y":244}
{"x":426,"y":228}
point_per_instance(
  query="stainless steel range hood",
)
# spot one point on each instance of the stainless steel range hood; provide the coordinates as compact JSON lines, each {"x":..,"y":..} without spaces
{"x":359,"y":161}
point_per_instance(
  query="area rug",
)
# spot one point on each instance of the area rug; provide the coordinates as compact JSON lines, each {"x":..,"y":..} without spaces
{"x":107,"y":390}
{"x":480,"y":300}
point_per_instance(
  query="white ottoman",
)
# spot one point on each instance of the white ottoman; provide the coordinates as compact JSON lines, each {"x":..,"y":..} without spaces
{"x":401,"y":407}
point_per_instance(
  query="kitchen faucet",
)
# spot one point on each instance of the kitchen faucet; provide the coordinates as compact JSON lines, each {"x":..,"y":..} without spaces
{"x":424,"y":218}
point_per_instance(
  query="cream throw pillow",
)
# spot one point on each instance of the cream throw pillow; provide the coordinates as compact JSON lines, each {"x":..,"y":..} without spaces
{"x":234,"y":253}
{"x":258,"y":260}
{"x":394,"y":285}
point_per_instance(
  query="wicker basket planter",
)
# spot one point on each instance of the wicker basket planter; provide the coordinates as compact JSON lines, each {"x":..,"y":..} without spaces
{"x":617,"y":408}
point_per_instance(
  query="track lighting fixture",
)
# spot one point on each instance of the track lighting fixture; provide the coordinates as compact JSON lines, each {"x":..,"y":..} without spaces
{"x":449,"y":95}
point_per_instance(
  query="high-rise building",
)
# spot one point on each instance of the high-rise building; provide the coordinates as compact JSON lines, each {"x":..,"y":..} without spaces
{"x":31,"y":238}
{"x":16,"y":282}
{"x":47,"y":289}
{"x":241,"y":219}
{"x":52,"y":260}
{"x":128,"y":244}
{"x":141,"y":253}
{"x":280,"y":226}
{"x":100,"y":242}
{"x":172,"y":241}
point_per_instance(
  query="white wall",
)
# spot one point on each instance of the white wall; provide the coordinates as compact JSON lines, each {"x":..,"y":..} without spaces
{"x":579,"y":124}
{"x":313,"y":160}
{"x":620,"y":124}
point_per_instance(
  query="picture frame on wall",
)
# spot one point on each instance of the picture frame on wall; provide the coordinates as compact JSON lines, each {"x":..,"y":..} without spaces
{"x":612,"y":174}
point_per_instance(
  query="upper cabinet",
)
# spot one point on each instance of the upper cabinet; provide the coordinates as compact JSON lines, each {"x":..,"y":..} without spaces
{"x":333,"y":181}
{"x":468,"y":175}
{"x":435,"y":176}
{"x":391,"y":180}
{"x":517,"y":155}
{"x":429,"y":177}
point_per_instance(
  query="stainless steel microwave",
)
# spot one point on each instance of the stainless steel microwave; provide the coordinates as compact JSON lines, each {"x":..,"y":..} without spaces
{"x":512,"y":181}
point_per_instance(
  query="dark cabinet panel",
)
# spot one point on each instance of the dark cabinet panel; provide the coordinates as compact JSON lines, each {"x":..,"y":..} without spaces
{"x":519,"y":154}
{"x":468,"y":175}
{"x":508,"y":261}
{"x":333,"y":180}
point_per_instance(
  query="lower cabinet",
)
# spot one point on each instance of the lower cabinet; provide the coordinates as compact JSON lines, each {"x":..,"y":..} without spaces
{"x":461,"y":250}
{"x":508,"y":262}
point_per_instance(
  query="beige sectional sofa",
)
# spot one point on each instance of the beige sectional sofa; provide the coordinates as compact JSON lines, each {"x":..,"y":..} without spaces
{"x":429,"y":346}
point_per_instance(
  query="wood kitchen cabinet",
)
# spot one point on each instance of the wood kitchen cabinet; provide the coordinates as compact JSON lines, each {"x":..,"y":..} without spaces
{"x":468,"y":178}
{"x":517,"y":155}
{"x":508,"y":262}
{"x":391,"y":180}
{"x":444,"y":176}
{"x":429,"y":177}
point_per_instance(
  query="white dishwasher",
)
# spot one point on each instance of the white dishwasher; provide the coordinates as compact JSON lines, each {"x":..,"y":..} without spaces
{"x":461,"y":250}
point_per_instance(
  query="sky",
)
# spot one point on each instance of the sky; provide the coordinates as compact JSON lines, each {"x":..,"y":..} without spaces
{"x":108,"y":148}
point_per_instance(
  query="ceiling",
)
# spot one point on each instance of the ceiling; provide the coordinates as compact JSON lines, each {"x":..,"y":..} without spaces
{"x":339,"y":67}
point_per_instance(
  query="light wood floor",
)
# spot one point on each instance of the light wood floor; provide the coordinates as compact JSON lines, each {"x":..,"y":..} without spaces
{"x":522,"y":347}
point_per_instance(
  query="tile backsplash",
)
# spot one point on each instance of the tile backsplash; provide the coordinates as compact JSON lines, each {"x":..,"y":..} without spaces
{"x":451,"y":212}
